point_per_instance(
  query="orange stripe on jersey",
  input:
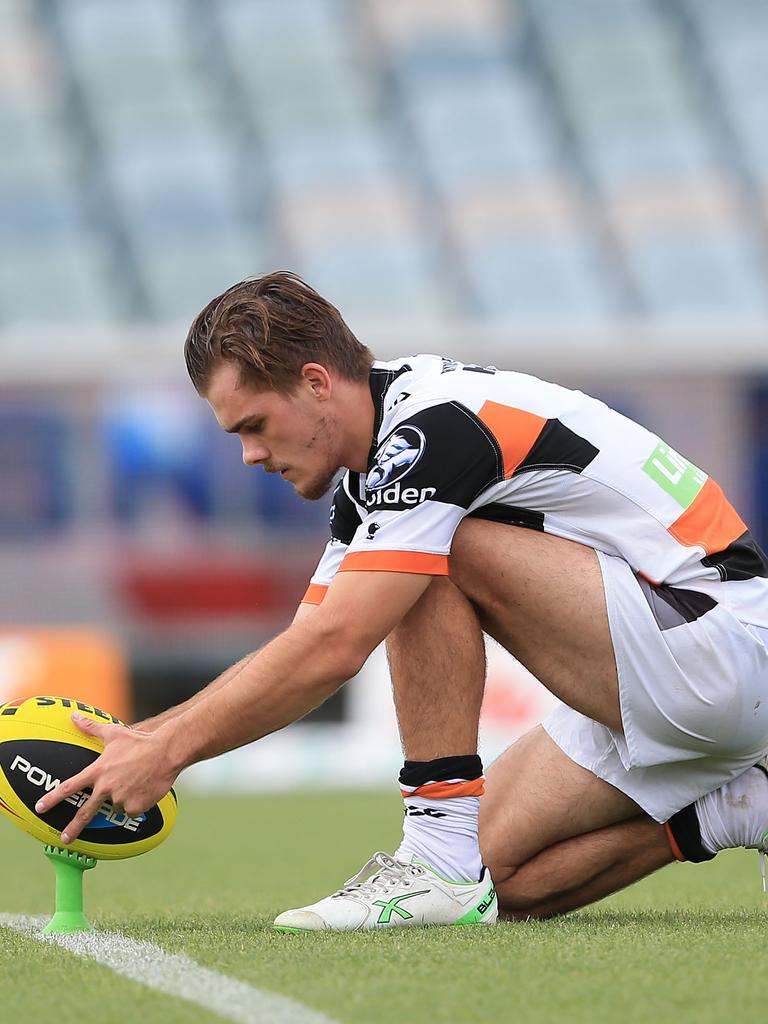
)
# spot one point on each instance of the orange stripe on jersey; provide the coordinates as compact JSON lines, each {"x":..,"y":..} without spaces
{"x":654,"y":583}
{"x":710,"y":521}
{"x":314,"y":594}
{"x":515,"y":431}
{"x":396,"y":561}
{"x":444,"y":790}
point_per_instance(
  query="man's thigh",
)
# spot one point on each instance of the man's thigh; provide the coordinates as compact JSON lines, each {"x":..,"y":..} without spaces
{"x":543,"y":599}
{"x":537,"y":796}
{"x":686,"y":710}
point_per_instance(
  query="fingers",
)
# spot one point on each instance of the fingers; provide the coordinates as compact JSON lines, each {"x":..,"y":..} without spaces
{"x":119,"y":776}
{"x":101,"y":730}
{"x":64,"y":789}
{"x":88,"y":811}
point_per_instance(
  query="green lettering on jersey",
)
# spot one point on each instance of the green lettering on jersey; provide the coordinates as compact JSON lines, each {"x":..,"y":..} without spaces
{"x":679,"y":477}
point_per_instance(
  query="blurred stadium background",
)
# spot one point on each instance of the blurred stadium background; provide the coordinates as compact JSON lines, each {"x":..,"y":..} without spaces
{"x":576,"y":188}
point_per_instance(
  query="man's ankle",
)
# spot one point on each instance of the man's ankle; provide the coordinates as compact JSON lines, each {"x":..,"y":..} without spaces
{"x":442,"y":799}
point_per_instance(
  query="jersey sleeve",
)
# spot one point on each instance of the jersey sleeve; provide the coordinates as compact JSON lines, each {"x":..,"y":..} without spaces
{"x":426,"y":473}
{"x":344,"y":520}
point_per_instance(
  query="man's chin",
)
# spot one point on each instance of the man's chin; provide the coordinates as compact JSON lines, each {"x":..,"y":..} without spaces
{"x":315,"y":489}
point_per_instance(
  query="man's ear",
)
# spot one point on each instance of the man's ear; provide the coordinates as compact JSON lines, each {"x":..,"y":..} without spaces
{"x":318,"y":380}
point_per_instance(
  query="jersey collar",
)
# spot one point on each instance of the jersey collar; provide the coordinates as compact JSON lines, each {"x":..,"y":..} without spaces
{"x":380,"y":379}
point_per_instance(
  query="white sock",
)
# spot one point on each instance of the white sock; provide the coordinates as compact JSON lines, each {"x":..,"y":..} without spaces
{"x":736,"y":814}
{"x":442,"y":800}
{"x":443,"y":833}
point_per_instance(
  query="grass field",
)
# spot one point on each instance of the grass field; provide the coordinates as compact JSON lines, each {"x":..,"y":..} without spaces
{"x":685,"y":945}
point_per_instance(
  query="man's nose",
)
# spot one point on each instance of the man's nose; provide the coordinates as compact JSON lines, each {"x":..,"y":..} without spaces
{"x":254,"y":453}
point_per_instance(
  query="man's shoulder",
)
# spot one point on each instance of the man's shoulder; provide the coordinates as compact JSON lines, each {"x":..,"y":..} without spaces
{"x":392,"y":376}
{"x":413,"y":384}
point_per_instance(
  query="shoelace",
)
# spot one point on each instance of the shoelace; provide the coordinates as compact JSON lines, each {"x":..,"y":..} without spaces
{"x":391,"y":873}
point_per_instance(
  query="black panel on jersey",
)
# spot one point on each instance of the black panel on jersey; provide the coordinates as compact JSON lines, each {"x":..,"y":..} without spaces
{"x":458,"y":459}
{"x":380,"y":380}
{"x":742,"y":560}
{"x":674,"y":606}
{"x":498,"y":513}
{"x":345,"y":515}
{"x":558,"y":447}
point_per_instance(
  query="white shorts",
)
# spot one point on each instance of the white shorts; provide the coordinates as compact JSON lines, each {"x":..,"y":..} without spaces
{"x":693,"y":694}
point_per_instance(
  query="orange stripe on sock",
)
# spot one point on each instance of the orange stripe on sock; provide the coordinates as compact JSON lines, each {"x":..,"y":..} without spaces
{"x":314,"y":594}
{"x":445,"y":790}
{"x":515,"y":430}
{"x":673,"y":843}
{"x":710,"y":521}
{"x":396,"y":561}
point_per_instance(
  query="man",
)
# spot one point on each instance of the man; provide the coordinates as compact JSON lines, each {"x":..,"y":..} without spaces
{"x":610,"y":566}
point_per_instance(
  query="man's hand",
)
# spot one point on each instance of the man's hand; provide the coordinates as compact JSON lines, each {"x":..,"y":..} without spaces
{"x":132,"y":772}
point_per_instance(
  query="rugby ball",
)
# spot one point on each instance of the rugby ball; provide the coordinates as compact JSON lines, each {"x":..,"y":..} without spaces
{"x":41,"y":746}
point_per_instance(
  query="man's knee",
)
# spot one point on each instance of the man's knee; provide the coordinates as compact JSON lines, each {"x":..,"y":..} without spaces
{"x":464,"y":564}
{"x":522,"y":897}
{"x":441,"y":603}
{"x":487,"y":557}
{"x":441,"y":593}
{"x":518,"y":894}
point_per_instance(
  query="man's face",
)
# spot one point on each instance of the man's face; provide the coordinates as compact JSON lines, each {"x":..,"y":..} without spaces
{"x":294,"y":435}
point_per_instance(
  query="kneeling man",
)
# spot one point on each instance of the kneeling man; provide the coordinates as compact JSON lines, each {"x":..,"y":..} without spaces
{"x":474,"y":501}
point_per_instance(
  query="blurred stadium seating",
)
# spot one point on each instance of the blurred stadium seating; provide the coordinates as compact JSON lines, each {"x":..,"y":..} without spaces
{"x":529,"y":159}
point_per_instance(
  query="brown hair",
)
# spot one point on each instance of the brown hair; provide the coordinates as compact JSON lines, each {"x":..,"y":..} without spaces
{"x":270,"y":327}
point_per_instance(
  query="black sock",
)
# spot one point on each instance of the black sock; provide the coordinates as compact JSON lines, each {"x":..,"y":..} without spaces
{"x":684,"y":828}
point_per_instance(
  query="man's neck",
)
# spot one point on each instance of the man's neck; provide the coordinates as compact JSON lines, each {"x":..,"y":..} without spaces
{"x":357,"y":415}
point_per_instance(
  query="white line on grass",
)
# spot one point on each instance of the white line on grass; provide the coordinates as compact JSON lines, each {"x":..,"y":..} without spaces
{"x":173,"y":974}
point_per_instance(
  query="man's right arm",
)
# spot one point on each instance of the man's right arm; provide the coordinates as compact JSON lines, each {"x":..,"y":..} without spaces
{"x":151,"y":724}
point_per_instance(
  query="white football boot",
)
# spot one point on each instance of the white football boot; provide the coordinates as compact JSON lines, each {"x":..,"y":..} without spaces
{"x":389,"y":893}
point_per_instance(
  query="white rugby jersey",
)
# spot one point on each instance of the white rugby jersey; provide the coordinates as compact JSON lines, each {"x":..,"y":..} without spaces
{"x":455,"y":440}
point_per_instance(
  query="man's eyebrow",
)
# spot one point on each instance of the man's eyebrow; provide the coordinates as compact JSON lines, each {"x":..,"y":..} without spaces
{"x":237,"y":427}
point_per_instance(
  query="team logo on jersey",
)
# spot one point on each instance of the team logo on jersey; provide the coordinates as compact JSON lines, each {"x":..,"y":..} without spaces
{"x":396,"y":457}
